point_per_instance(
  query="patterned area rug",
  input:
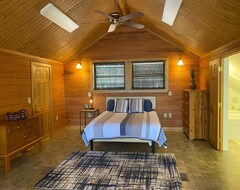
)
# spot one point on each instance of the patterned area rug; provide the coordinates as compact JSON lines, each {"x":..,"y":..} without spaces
{"x":114,"y":170}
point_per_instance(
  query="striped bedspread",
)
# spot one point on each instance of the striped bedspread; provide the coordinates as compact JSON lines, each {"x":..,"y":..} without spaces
{"x":108,"y":125}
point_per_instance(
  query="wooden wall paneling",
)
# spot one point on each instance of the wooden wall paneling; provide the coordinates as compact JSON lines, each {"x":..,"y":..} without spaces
{"x":126,"y":44}
{"x":228,"y":49}
{"x":205,"y":82}
{"x":15,"y":81}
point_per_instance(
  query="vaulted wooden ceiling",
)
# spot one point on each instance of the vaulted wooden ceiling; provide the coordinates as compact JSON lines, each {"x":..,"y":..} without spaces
{"x":200,"y":27}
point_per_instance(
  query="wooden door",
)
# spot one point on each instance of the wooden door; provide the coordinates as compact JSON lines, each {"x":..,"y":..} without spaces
{"x":214,"y":101}
{"x":42,"y":100}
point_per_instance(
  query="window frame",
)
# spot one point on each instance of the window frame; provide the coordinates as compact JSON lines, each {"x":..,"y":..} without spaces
{"x":128,"y":76}
{"x":109,"y":63}
{"x":149,"y":75}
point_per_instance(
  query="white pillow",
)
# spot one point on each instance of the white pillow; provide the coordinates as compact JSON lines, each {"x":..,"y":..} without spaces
{"x":136,"y":105}
{"x":121,"y":106}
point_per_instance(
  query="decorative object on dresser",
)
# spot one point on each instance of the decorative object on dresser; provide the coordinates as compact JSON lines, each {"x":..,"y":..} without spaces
{"x":14,"y":116}
{"x":195,"y":114}
{"x":114,"y":170}
{"x":18,"y":136}
{"x":193,"y":85}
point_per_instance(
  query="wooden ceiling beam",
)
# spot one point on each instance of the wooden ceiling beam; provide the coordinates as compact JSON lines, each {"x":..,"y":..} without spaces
{"x":123,"y":7}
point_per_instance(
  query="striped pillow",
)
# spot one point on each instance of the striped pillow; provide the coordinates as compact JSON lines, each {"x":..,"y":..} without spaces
{"x":136,"y":105}
{"x":121,"y":106}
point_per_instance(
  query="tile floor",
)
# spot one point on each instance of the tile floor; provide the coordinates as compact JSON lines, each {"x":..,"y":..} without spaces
{"x":206,"y":168}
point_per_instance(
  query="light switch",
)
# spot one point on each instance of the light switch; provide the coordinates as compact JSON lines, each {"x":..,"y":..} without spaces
{"x":170,"y":115}
{"x":29,"y":100}
{"x":165,"y":115}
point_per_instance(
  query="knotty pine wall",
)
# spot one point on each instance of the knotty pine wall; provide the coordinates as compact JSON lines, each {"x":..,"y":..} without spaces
{"x":16,"y":86}
{"x":125,"y":44}
{"x":226,"y":50}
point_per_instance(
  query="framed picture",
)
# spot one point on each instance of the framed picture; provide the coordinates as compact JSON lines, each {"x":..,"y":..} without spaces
{"x":85,"y":107}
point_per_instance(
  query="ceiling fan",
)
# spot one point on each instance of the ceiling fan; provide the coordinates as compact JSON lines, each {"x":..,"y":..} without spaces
{"x":117,"y":19}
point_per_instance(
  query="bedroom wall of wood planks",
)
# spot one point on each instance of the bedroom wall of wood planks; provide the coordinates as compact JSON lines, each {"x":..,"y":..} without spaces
{"x":226,"y":50}
{"x":16,"y":86}
{"x":124,"y":44}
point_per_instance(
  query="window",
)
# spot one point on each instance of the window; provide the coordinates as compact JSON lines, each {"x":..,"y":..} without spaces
{"x":109,"y":76}
{"x":148,"y":75}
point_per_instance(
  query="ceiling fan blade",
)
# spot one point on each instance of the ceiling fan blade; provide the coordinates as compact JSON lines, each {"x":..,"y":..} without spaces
{"x":132,"y":16}
{"x":104,"y":14}
{"x":134,"y":24}
{"x":112,"y":27}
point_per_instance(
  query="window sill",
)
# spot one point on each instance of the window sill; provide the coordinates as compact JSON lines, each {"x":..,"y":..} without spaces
{"x":131,"y":91}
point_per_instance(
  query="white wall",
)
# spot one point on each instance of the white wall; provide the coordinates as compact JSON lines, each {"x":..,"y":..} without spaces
{"x":234,"y":97}
{"x":234,"y":83}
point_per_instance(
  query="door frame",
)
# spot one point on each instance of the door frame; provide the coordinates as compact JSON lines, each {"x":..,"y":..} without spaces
{"x":50,"y":92}
{"x":224,"y":126}
{"x":225,"y":81}
{"x":223,"y":101}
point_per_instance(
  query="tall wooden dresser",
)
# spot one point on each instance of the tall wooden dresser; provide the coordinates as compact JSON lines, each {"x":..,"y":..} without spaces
{"x":195,"y":114}
{"x":18,"y":136}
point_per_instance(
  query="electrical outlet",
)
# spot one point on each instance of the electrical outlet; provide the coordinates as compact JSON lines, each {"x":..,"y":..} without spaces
{"x":170,"y":115}
{"x":89,"y":114}
{"x":169,"y":93}
{"x":165,"y":115}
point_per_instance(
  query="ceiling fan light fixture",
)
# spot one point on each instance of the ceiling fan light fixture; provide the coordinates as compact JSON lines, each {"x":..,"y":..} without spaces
{"x":170,"y":11}
{"x":58,"y":17}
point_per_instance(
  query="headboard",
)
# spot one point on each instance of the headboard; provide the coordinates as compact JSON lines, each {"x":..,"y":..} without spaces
{"x":151,"y":98}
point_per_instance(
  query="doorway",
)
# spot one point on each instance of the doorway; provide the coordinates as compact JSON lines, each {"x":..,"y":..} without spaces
{"x":41,"y":95}
{"x":231,"y":101}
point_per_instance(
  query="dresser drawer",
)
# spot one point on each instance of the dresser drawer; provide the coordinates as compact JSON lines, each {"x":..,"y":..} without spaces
{"x":16,"y":128}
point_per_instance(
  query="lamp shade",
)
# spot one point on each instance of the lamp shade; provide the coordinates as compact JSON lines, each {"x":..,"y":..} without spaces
{"x":79,"y":66}
{"x":180,"y":62}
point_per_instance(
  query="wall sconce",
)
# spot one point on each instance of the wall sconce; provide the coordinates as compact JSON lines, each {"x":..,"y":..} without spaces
{"x":91,"y":100}
{"x":79,"y":66}
{"x":180,"y":62}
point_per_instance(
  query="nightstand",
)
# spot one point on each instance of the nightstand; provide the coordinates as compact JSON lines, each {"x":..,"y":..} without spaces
{"x":83,"y":113}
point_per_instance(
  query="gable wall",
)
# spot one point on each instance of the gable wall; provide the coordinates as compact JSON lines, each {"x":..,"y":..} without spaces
{"x":124,"y":45}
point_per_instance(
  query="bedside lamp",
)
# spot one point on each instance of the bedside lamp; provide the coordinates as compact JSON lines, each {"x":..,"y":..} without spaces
{"x":91,"y":100}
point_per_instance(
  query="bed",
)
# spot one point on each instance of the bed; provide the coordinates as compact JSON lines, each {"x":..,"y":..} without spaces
{"x":127,"y":119}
